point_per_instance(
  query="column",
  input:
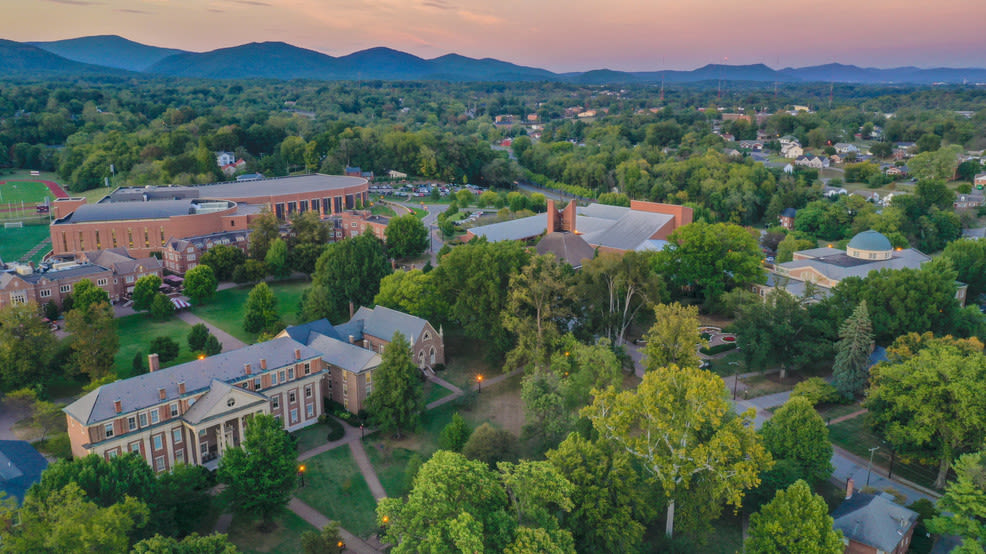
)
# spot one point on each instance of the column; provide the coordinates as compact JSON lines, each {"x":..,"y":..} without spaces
{"x":239,"y":428}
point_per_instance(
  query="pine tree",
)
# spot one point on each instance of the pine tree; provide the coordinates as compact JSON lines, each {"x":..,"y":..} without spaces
{"x":851,"y":370}
{"x":396,"y":401}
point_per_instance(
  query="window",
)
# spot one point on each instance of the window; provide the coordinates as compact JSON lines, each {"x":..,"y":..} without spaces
{"x":282,"y":376}
{"x":292,"y":397}
{"x":158,"y":442}
{"x":176,"y":436}
{"x":294,"y":416}
{"x":18,"y":297}
{"x":108,"y":428}
{"x":275,"y":402}
{"x":102,"y":282}
{"x":204,"y":448}
{"x":44,"y":293}
{"x":174,"y":409}
{"x":273,"y":378}
{"x":128,"y":279}
{"x":180,"y":457}
{"x":132,"y":423}
{"x":201,"y":432}
{"x":112,"y":454}
{"x":143,"y":420}
{"x":308,"y":368}
{"x":135,"y":447}
{"x":310,"y":410}
{"x":290,"y":373}
{"x":155,"y":416}
{"x":308,"y":391}
{"x":159,"y":464}
{"x":256,"y":384}
{"x":113,"y":234}
{"x":369,"y":377}
{"x":65,"y":288}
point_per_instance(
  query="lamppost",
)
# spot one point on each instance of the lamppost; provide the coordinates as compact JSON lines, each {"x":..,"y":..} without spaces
{"x":735,"y":380}
{"x":301,"y":473}
{"x":479,"y":381}
{"x":362,"y":433}
{"x":869,"y":465}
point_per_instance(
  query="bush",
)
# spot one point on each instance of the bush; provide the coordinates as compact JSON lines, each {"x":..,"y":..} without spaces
{"x":724,"y":347}
{"x":817,"y":391}
{"x":165,"y":348}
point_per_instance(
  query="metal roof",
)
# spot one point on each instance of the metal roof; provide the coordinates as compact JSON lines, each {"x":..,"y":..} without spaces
{"x":281,"y":185}
{"x":839,"y":266}
{"x":68,"y":273}
{"x":121,"y":211}
{"x":871,"y":240}
{"x":517,"y":229}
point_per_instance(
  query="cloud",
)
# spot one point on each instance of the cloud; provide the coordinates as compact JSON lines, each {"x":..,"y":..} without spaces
{"x":128,"y":10}
{"x":481,"y":18}
{"x":250,"y":3}
{"x":216,"y":10}
{"x":75,"y":2}
{"x":437,"y":4}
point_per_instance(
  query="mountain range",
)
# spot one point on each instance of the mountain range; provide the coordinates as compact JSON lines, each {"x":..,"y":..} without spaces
{"x":114,"y":55}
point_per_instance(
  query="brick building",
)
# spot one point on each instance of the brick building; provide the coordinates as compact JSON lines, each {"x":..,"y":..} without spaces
{"x":180,"y":255}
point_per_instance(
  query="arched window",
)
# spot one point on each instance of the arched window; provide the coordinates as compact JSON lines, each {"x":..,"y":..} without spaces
{"x":432,"y":355}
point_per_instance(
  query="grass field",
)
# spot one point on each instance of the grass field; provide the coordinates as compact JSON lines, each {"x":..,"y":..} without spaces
{"x":136,"y":333}
{"x":15,"y":243}
{"x":857,"y":437}
{"x":30,"y":193}
{"x":335,"y":487}
{"x":286,"y":536}
{"x":227,"y":308}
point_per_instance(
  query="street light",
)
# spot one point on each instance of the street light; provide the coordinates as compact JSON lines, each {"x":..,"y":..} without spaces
{"x":735,"y":380}
{"x":362,"y":433}
{"x":870,"y":464}
{"x":301,"y":473}
{"x":479,"y":380}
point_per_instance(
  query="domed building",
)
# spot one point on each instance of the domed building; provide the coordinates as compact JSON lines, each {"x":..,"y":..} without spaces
{"x":826,"y":267}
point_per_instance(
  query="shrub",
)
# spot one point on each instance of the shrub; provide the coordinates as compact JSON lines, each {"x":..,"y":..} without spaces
{"x":817,"y":391}
{"x":719,"y":348}
{"x":165,"y":348}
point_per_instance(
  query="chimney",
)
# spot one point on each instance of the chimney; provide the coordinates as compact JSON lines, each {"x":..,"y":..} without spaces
{"x":247,"y":369}
{"x":117,"y":405}
{"x":181,"y":387}
{"x":152,"y":362}
{"x":161,"y":393}
{"x":552,"y":217}
{"x":297,"y":353}
{"x":352,"y":339}
{"x":263,"y":363}
{"x":351,"y":310}
{"x":849,"y":488}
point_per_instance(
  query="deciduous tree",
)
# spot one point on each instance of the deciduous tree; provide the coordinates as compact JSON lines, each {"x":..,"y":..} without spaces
{"x":192,"y":544}
{"x":490,"y":445}
{"x":165,"y":347}
{"x":161,"y":307}
{"x":454,"y":435}
{"x":263,"y":230}
{"x":616,"y":288}
{"x":86,"y":294}
{"x":406,"y":236}
{"x":674,"y":338}
{"x":145,"y":289}
{"x":197,"y":337}
{"x":396,"y":401}
{"x":963,"y":506}
{"x":968,"y":257}
{"x":798,"y":433}
{"x":94,"y":339}
{"x":780,"y":330}
{"x":223,"y":259}
{"x":277,"y":258}
{"x":26,"y":346}
{"x":325,"y":541}
{"x":679,"y":425}
{"x":200,"y":283}
{"x":411,"y":292}
{"x":796,"y":520}
{"x":538,"y":304}
{"x":348,"y":271}
{"x":852,"y":353}
{"x":261,"y":310}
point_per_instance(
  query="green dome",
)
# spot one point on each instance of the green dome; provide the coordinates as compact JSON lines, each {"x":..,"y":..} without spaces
{"x":871,"y":241}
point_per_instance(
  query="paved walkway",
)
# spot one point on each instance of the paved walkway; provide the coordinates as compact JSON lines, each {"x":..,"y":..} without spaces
{"x":438,"y":380}
{"x":314,"y":517}
{"x":228,"y":341}
{"x":369,"y":474}
{"x":454,"y":395}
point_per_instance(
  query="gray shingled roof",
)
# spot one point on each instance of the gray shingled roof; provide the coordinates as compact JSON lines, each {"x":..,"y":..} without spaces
{"x":280,"y":185}
{"x":342,"y":354}
{"x":382,"y":322}
{"x":68,"y":273}
{"x":217,"y":391}
{"x":566,"y":247}
{"x":873,"y":520}
{"x":138,"y":393}
{"x":20,"y":467}
{"x":322,"y":326}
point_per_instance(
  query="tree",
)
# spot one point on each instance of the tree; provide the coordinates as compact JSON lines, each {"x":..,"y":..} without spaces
{"x":711,"y":257}
{"x":260,"y":473}
{"x":181,"y":499}
{"x":963,"y":506}
{"x":940,"y":164}
{"x":933,"y":403}
{"x":347,"y":272}
{"x":86,"y":294}
{"x":44,"y":416}
{"x":396,"y":401}
{"x":303,"y":257}
{"x":27,"y":346}
{"x":616,"y":288}
{"x":968,"y":257}
{"x":791,"y":244}
{"x":538,"y":303}
{"x":263,"y":230}
{"x":798,"y":433}
{"x":94,"y":339}
{"x":212,"y":346}
{"x":250,"y":272}
{"x":138,"y":364}
{"x":161,"y":307}
{"x":490,"y":445}
{"x":852,"y":358}
{"x":277,"y":259}
{"x":308,"y":228}
{"x":165,"y":347}
{"x":454,"y":435}
{"x":261,"y":310}
{"x":780,"y":330}
{"x":326,"y":541}
{"x":882,"y":149}
{"x":223,"y":259}
{"x":455,"y":501}
{"x":407,"y":236}
{"x":145,"y":289}
{"x":200,"y":283}
{"x":197,"y":337}
{"x":609,"y":499}
{"x":679,"y":426}
{"x":192,"y":544}
{"x":796,"y":520}
{"x":674,"y":337}
{"x":411,"y":292}
{"x":66,"y":521}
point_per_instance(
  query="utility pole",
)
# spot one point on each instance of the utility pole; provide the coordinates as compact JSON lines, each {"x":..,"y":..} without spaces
{"x":869,"y":466}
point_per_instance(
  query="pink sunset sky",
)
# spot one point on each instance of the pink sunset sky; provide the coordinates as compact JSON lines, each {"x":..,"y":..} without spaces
{"x":560,"y":35}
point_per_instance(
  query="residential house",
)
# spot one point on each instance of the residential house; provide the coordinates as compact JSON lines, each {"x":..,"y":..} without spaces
{"x":792,"y":151}
{"x":787,"y":218}
{"x":814,"y":162}
{"x":24,"y":283}
{"x":732,"y":153}
{"x":874,"y":523}
{"x":231,"y":168}
{"x":895,"y":170}
{"x":182,"y":254}
{"x":845,"y":148}
{"x":755,"y":145}
{"x":835,"y":159}
{"x":358,"y":172}
{"x":972,"y":199}
{"x":979,"y":180}
{"x":193,"y":412}
{"x":736,"y":117}
{"x":353,"y":223}
{"x":394,"y":174}
{"x":225,"y":158}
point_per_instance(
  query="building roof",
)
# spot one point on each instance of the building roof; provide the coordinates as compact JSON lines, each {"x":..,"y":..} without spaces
{"x":120,"y":211}
{"x":217,"y":391}
{"x":382,"y":322}
{"x":118,"y":260}
{"x":789,"y":212}
{"x":569,"y":248}
{"x":280,"y":185}
{"x":20,"y":467}
{"x":68,"y":273}
{"x":340,"y":353}
{"x":138,"y":393}
{"x":517,"y":229}
{"x":873,"y":520}
{"x":871,"y":240}
{"x":205,"y":242}
{"x":322,"y":326}
{"x":839,"y":266}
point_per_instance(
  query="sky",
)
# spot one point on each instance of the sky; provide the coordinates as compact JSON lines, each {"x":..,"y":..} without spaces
{"x":559,"y":35}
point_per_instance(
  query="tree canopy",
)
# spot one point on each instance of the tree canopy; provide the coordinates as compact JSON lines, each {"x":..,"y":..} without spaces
{"x":406,"y":236}
{"x":798,"y":433}
{"x":796,"y":520}
{"x":396,"y":401}
{"x":200,"y":283}
{"x":347,"y":272}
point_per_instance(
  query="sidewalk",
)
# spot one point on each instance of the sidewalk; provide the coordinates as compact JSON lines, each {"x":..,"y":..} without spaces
{"x":312,"y":516}
{"x":228,"y":341}
{"x":369,"y":474}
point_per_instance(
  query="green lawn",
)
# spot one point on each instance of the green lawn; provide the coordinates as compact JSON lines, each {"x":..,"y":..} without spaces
{"x":15,"y":192}
{"x":136,"y":333}
{"x":227,"y":308}
{"x":286,"y":537}
{"x":857,"y":437}
{"x":389,"y":464}
{"x":335,"y":487}
{"x":727,"y":365}
{"x":382,"y":209}
{"x":434,"y":391}
{"x":14,"y":243}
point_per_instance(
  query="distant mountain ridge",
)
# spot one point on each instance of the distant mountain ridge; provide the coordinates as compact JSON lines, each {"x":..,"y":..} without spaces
{"x":278,"y":60}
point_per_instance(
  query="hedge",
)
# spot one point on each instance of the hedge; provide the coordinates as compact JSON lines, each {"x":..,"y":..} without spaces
{"x":718,"y":348}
